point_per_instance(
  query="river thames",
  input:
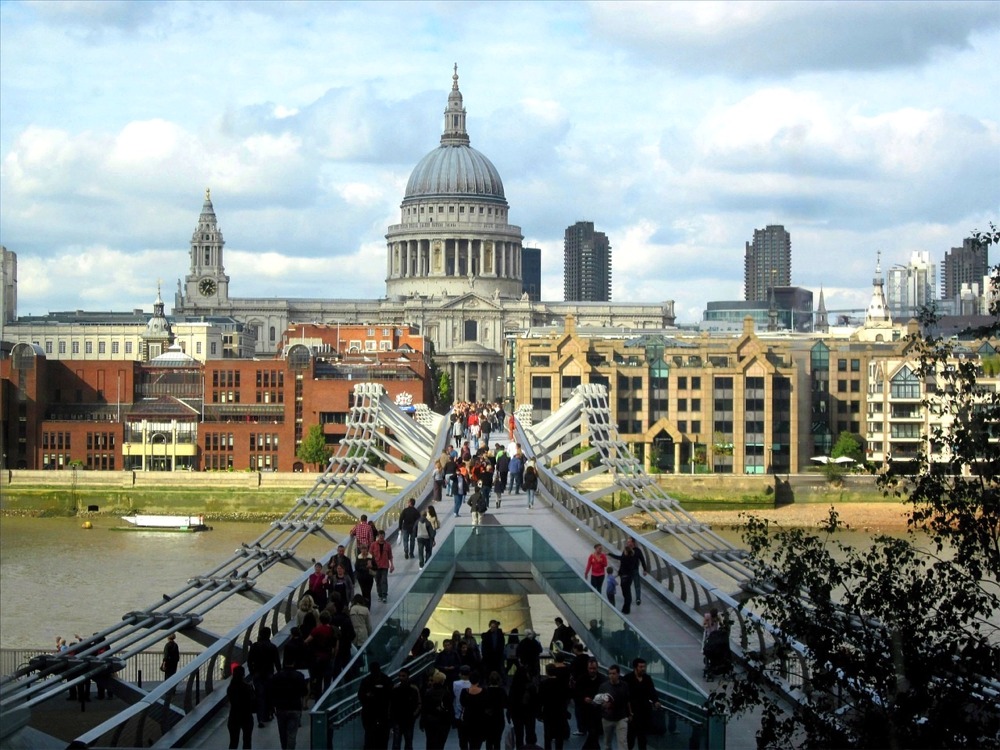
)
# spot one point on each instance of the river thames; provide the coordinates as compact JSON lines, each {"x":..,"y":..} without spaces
{"x":58,"y":579}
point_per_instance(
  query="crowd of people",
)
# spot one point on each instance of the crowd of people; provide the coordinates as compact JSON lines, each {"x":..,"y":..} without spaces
{"x":490,"y":689}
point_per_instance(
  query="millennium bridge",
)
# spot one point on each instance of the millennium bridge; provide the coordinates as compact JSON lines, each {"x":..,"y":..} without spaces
{"x":537,"y":554}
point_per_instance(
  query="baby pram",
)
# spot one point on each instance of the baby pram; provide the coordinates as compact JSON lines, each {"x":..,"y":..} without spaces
{"x":718,"y":657}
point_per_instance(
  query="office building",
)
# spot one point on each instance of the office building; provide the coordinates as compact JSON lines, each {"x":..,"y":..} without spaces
{"x":586,"y":264}
{"x":911,"y":288}
{"x":531,"y":272}
{"x":767,"y":263}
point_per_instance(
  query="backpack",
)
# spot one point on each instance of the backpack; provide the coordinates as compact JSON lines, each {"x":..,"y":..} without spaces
{"x":482,"y":506}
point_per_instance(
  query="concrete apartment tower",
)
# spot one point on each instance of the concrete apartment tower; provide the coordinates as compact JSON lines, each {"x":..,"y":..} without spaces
{"x":767,"y":263}
{"x":967,"y":264}
{"x":586,"y":264}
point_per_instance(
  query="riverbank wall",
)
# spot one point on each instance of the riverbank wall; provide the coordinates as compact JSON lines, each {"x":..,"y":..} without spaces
{"x":269,"y":495}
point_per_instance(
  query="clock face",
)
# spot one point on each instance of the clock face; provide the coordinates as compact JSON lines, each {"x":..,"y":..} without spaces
{"x":207,"y":287}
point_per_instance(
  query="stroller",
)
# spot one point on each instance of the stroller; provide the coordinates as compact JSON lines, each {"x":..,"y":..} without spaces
{"x":718,"y":656}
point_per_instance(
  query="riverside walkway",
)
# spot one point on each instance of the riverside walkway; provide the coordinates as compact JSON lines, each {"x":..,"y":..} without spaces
{"x":691,"y":569}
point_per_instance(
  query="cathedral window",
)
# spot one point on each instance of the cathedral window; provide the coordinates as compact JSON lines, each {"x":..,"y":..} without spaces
{"x":271,"y":333}
{"x":208,"y":257}
{"x":128,"y":347}
{"x":76,"y":347}
{"x":88,"y":347}
{"x":471,"y":331}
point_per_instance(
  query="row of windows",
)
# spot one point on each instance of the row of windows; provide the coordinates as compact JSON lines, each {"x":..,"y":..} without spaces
{"x":102,"y":347}
{"x":855,"y":386}
{"x":266,"y":441}
{"x":842,"y":365}
{"x":218,"y":441}
{"x":226,"y":378}
{"x":55,"y":440}
{"x":99,"y":440}
{"x":451,"y":209}
{"x":218,"y":462}
{"x":55,"y":460}
{"x":101,"y":461}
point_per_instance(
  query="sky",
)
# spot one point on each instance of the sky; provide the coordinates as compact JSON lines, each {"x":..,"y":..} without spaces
{"x":677,"y":128}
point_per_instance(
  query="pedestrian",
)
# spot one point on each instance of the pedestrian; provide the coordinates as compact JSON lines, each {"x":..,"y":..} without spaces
{"x":628,"y":569}
{"x":361,"y":619}
{"x":458,"y":687}
{"x":597,"y":564}
{"x":364,"y":573}
{"x":615,"y":709}
{"x":478,"y":504}
{"x":514,"y":473}
{"x":362,"y":533}
{"x":288,"y":690}
{"x":473,"y":700}
{"x":523,"y":705}
{"x":529,"y":653}
{"x":241,"y":707}
{"x":644,"y":700}
{"x":436,"y":715}
{"x":263,"y":661}
{"x":640,"y":556}
{"x":408,"y":526}
{"x":459,"y":486}
{"x":496,"y":711}
{"x":589,"y":716}
{"x":317,"y":585}
{"x":529,"y":482}
{"x":171,"y":657}
{"x":404,"y":708}
{"x":425,"y":538}
{"x":492,"y":650}
{"x":382,"y":558}
{"x":437,"y":477}
{"x":374,"y":695}
{"x":553,"y":697}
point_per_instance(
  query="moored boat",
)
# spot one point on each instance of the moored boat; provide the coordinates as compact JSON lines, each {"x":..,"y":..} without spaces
{"x":149,"y":522}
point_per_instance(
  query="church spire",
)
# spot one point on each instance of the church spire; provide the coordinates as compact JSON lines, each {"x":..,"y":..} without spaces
{"x":878,"y":310}
{"x":822,"y":321}
{"x":454,"y":116}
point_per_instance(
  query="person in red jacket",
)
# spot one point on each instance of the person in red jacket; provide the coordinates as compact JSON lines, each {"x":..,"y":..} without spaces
{"x":597,"y":564}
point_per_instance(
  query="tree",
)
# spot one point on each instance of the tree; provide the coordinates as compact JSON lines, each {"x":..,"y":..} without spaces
{"x":849,"y":445}
{"x":444,"y":398}
{"x":313,"y":448}
{"x":900,"y":640}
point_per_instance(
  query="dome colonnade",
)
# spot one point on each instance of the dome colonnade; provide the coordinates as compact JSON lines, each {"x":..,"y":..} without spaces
{"x":453,"y":233}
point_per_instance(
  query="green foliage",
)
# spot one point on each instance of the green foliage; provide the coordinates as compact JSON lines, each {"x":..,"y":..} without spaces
{"x":722,"y":444}
{"x":899,"y":639}
{"x":851,"y":445}
{"x":313,"y":448}
{"x":443,"y":394}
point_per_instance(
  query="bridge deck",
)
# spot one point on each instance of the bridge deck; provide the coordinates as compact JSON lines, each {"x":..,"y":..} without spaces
{"x":660,"y":624}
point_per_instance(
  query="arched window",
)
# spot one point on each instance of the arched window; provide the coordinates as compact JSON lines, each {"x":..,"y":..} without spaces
{"x":271,"y":333}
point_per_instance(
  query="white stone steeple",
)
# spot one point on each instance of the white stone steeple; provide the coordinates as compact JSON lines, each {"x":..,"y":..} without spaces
{"x":454,"y":117}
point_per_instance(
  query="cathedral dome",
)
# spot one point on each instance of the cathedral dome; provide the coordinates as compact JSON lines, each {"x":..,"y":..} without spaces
{"x":455,"y":170}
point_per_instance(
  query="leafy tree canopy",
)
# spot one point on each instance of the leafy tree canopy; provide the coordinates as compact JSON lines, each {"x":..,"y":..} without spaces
{"x":898,"y":643}
{"x":313,"y":448}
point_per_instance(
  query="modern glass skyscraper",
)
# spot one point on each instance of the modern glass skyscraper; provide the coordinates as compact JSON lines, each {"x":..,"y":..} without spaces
{"x":586,"y":264}
{"x":768,"y":262}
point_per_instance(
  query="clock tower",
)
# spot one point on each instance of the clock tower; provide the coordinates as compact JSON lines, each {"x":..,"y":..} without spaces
{"x":206,"y":285}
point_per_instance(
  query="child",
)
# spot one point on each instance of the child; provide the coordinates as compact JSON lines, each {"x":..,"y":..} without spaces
{"x":611,"y":585}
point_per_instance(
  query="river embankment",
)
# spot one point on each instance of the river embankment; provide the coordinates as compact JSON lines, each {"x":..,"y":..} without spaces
{"x":219,"y":496}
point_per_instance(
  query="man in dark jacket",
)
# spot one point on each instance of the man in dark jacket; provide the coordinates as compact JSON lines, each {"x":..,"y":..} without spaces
{"x":408,"y":519}
{"x":492,"y":649}
{"x":643,"y":699}
{"x":404,"y":709}
{"x":553,"y":697}
{"x":374,"y":694}
{"x":263,"y":661}
{"x":288,"y":689}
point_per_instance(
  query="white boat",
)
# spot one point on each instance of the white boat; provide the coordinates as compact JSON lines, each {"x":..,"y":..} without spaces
{"x":140,"y":522}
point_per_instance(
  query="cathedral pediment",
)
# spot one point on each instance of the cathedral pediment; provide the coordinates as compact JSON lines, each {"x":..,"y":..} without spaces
{"x":472,"y":301}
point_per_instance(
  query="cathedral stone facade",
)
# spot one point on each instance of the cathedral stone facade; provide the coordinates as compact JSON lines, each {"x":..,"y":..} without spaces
{"x":453,"y":270}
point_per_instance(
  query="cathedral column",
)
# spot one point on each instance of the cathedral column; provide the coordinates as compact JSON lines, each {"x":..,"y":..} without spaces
{"x":677,"y":457}
{"x":465,"y":378}
{"x":479,"y":380}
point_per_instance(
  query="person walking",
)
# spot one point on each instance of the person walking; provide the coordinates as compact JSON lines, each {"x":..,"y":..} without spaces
{"x":616,"y":710}
{"x":404,"y":708}
{"x":263,"y":661}
{"x":171,"y":657}
{"x":628,"y":570}
{"x":425,"y":538}
{"x":288,"y":690}
{"x":382,"y":557}
{"x":436,"y":715}
{"x":408,"y":526}
{"x":241,"y":706}
{"x":374,"y":695}
{"x":644,"y":700}
{"x":514,"y":476}
{"x":553,"y":697}
{"x":640,"y":557}
{"x":529,"y":482}
{"x":597,"y":564}
{"x":459,"y":486}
